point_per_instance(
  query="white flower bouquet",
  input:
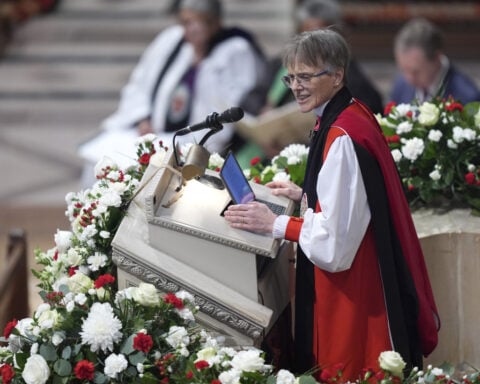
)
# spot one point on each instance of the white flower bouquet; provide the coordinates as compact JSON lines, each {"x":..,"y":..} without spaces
{"x":436,"y":146}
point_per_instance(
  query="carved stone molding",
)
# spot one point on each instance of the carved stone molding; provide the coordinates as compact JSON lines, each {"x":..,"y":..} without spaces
{"x":207,"y":306}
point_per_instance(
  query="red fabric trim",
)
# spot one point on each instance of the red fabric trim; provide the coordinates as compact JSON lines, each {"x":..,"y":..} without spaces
{"x":294,"y":227}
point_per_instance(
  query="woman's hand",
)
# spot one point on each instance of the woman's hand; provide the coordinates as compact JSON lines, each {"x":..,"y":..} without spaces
{"x":286,"y":188}
{"x":253,"y":216}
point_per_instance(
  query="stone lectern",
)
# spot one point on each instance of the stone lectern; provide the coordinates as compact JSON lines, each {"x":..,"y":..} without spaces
{"x":175,"y":237}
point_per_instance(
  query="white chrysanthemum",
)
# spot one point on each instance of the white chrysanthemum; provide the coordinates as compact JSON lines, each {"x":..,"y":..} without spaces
{"x":232,"y":376}
{"x":248,"y":361}
{"x":63,"y":240}
{"x":285,"y":377}
{"x":404,"y":127}
{"x":215,"y":160}
{"x":435,"y":135}
{"x":97,"y":261}
{"x":297,"y":150}
{"x":435,"y":175}
{"x":413,"y":148}
{"x":281,"y":176}
{"x":177,"y":336}
{"x":115,"y":364}
{"x":101,"y":329}
{"x":397,"y":155}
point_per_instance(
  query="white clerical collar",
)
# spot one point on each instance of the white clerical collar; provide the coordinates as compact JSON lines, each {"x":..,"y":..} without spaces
{"x":319,"y":110}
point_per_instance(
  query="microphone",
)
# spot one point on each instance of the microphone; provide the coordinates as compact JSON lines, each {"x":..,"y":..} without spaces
{"x":214,"y":120}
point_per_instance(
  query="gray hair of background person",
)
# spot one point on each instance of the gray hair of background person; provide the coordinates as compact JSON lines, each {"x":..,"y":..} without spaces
{"x":321,"y":48}
{"x":420,"y":33}
{"x":210,"y":7}
{"x":327,"y":10}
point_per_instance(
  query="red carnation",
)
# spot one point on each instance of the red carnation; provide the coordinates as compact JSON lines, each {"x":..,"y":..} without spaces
{"x":84,"y":370}
{"x":104,"y":280}
{"x":9,"y":328}
{"x":254,"y":161}
{"x":470,"y":178}
{"x":388,"y":108}
{"x":144,"y":159}
{"x":393,"y":139}
{"x":170,"y":298}
{"x":7,"y":373}
{"x":454,"y":107}
{"x":142,"y":342}
{"x":215,"y":381}
{"x":189,"y":375}
{"x":201,"y":364}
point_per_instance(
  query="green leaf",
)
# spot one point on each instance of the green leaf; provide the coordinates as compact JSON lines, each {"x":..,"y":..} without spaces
{"x":127,"y":346}
{"x":62,"y":367}
{"x":136,"y":358}
{"x":307,"y":380}
{"x":60,"y":380}
{"x":67,"y":352}
{"x":148,"y":378}
{"x":48,"y":352}
{"x":100,"y":378}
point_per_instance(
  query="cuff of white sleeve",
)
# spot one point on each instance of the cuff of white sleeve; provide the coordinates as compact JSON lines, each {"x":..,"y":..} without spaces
{"x":280,"y":226}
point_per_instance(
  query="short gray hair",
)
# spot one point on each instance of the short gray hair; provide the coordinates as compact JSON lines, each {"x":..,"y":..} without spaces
{"x":210,"y":7}
{"x":420,"y":33}
{"x":316,"y":48}
{"x":327,"y":10}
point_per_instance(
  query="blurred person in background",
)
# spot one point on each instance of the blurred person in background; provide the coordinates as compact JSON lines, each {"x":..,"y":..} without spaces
{"x":425,"y":72}
{"x":189,"y":71}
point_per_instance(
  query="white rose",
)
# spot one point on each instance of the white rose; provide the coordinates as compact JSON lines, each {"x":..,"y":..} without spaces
{"x":285,"y":377}
{"x":73,"y":257}
{"x":435,"y":175}
{"x":435,"y":135}
{"x":429,"y":114}
{"x":49,"y":319}
{"x":63,"y":240}
{"x":79,"y":283}
{"x":207,"y":354}
{"x":392,"y":362}
{"x":248,"y":361}
{"x":146,"y":294}
{"x":36,"y":370}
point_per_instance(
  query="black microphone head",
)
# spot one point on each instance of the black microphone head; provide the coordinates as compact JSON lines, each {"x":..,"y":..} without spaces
{"x":231,"y":115}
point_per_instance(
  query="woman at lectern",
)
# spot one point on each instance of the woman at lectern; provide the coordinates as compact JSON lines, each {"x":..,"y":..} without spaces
{"x":361,"y":281}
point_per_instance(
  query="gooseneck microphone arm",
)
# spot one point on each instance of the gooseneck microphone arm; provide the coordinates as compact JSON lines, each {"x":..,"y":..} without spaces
{"x":214,"y":121}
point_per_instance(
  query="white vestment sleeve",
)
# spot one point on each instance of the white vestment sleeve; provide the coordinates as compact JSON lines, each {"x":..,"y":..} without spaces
{"x":330,"y":238}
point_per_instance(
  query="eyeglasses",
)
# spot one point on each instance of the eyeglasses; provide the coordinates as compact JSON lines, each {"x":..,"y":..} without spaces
{"x":302,"y":78}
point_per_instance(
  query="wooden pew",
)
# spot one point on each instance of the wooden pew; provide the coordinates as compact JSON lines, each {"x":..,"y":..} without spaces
{"x":14,"y":280}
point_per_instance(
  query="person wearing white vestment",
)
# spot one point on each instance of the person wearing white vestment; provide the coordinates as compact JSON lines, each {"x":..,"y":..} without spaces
{"x":189,"y":71}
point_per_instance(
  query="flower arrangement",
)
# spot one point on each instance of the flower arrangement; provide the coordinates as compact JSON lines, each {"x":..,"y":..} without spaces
{"x":436,"y":146}
{"x":86,"y":330}
{"x":289,"y":164}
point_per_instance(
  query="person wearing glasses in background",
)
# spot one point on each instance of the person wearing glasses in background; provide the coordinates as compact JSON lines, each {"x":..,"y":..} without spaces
{"x":361,"y":282}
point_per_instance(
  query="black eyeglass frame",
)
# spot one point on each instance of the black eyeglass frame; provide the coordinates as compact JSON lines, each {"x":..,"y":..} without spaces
{"x":302,"y":78}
